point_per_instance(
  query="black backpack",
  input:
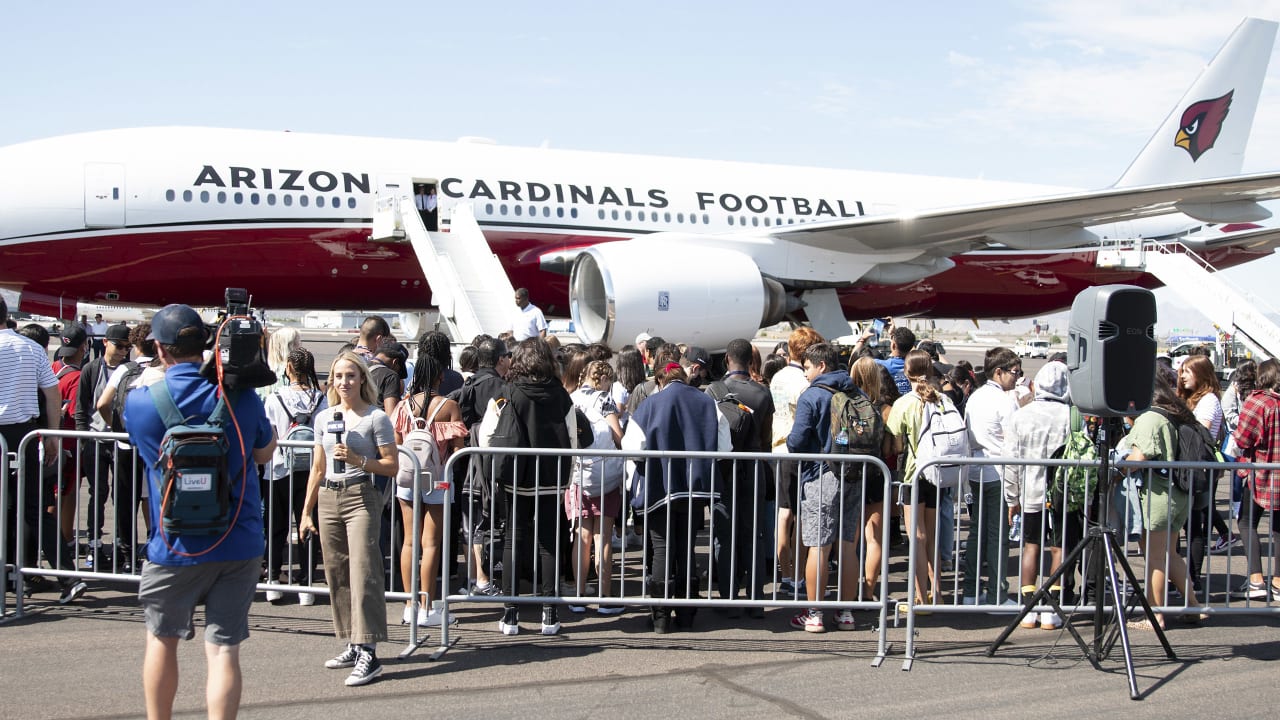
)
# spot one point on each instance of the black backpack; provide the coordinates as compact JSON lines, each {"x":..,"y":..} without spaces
{"x":132,"y":371}
{"x":742,"y":422}
{"x":1195,"y":444}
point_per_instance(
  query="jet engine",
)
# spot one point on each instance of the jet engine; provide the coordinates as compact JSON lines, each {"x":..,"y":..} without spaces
{"x":684,"y":292}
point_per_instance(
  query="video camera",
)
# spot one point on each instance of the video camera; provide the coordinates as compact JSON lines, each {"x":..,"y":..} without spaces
{"x":238,"y":348}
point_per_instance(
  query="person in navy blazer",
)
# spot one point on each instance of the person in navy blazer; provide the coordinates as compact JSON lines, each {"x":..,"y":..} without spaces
{"x":673,"y":493}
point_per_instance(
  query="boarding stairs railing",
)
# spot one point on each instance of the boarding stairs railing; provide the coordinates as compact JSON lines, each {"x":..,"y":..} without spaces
{"x":1191,"y":276}
{"x":468,"y":283}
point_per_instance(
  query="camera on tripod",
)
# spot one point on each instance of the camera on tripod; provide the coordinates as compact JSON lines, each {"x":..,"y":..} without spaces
{"x":239,"y":359}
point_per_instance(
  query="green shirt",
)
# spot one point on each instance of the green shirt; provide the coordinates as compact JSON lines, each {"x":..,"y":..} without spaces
{"x":1154,"y":437}
{"x":906,"y":417}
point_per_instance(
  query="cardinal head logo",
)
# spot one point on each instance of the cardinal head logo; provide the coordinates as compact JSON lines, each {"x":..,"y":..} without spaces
{"x":1201,"y":124}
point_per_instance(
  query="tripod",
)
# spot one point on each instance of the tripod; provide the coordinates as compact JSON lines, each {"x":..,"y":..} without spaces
{"x":1101,"y":539}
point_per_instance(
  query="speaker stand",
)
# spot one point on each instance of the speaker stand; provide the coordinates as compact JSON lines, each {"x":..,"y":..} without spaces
{"x":1102,"y":539}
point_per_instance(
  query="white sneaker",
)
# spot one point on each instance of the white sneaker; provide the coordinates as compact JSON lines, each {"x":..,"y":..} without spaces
{"x":433,"y":617}
{"x":274,"y":596}
{"x":306,"y":599}
{"x":407,"y":616}
{"x":1050,"y":621}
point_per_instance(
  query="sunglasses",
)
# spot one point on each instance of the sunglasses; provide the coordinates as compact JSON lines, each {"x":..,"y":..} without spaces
{"x":1016,"y":370}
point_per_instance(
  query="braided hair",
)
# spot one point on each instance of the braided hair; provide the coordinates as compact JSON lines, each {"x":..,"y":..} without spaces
{"x":427,"y":371}
{"x":436,"y":344}
{"x":303,"y":365}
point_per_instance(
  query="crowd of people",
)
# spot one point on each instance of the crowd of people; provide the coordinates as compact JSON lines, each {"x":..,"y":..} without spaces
{"x":537,"y":528}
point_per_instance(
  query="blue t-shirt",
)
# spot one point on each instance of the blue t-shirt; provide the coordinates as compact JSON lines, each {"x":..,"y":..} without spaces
{"x":897,"y":368}
{"x":196,"y":396}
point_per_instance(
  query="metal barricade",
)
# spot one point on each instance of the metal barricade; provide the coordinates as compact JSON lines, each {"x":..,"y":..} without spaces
{"x":727,"y":557}
{"x":1115,"y":493}
{"x":7,"y":574}
{"x":104,"y":459}
{"x":96,"y":456}
{"x":687,"y":529}
{"x":299,"y":554}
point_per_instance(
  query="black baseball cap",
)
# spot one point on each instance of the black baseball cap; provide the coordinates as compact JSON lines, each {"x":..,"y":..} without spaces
{"x":698,"y":355}
{"x":118,"y":332}
{"x":395,"y":351}
{"x":73,"y":338}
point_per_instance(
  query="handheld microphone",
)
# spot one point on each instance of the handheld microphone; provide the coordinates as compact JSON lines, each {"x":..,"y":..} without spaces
{"x":337,"y":426}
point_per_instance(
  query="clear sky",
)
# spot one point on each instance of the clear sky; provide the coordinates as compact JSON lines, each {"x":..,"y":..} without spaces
{"x":1062,"y":92}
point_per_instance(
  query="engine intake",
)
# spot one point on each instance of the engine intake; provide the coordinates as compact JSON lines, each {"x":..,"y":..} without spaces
{"x":693,"y":294}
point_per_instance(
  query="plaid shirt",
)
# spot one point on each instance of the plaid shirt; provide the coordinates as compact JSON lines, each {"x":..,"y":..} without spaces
{"x":1258,"y":436}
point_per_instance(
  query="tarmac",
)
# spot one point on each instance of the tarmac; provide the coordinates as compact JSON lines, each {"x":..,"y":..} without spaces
{"x":84,"y":660}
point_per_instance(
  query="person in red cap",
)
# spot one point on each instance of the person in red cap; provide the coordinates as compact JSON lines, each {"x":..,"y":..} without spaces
{"x":66,"y":368}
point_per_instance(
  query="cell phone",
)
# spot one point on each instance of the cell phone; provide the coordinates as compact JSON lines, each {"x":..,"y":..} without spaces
{"x":877,"y":326}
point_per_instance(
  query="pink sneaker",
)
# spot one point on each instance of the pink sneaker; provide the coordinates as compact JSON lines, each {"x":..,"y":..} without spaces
{"x":809,"y":620}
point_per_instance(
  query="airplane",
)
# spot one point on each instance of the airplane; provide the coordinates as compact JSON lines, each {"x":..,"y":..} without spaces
{"x":703,"y":251}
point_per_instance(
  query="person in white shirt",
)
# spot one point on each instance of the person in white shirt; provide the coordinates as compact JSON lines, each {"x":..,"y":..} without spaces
{"x":97,"y":331}
{"x":528,"y":321}
{"x":988,"y":413}
{"x":25,"y":378}
{"x":424,"y":199}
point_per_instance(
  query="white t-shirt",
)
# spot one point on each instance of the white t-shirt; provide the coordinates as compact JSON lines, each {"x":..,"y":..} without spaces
{"x":528,"y":322}
{"x":1209,"y":409}
{"x":786,"y":386}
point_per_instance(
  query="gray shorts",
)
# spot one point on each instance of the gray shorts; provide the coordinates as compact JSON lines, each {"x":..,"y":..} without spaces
{"x":826,"y":509}
{"x":169,"y":596}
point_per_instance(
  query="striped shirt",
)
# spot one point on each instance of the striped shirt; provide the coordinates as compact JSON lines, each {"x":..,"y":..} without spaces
{"x":24,"y":368}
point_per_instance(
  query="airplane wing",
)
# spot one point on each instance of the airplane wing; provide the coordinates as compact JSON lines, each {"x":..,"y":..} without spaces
{"x":1256,"y":240}
{"x":1035,"y":223}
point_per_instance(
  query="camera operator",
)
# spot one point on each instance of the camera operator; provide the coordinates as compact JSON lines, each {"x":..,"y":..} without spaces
{"x":218,"y":571}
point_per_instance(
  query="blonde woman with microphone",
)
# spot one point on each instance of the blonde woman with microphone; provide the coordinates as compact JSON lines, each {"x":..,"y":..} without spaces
{"x":354,"y":442}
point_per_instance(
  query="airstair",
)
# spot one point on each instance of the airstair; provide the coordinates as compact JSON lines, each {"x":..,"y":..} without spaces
{"x":468,"y":283}
{"x":1189,"y":275}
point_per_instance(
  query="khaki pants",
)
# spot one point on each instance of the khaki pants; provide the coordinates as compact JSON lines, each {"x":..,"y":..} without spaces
{"x":350,"y":523}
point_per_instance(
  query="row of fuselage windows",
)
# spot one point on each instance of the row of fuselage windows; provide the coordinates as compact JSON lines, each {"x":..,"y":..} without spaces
{"x":637,"y":215}
{"x":222,"y":197}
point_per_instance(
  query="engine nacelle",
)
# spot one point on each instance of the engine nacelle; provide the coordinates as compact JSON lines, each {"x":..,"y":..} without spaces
{"x":684,"y":292}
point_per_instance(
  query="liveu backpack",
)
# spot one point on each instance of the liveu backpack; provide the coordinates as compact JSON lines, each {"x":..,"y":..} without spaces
{"x":195,"y":492}
{"x":943,"y":436}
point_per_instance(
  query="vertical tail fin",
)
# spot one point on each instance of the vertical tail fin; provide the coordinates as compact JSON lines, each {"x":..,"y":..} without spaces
{"x":1206,"y":134}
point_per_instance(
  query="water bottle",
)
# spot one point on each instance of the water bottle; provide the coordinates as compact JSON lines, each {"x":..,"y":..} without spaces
{"x":1015,"y":529}
{"x":841,"y":441}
